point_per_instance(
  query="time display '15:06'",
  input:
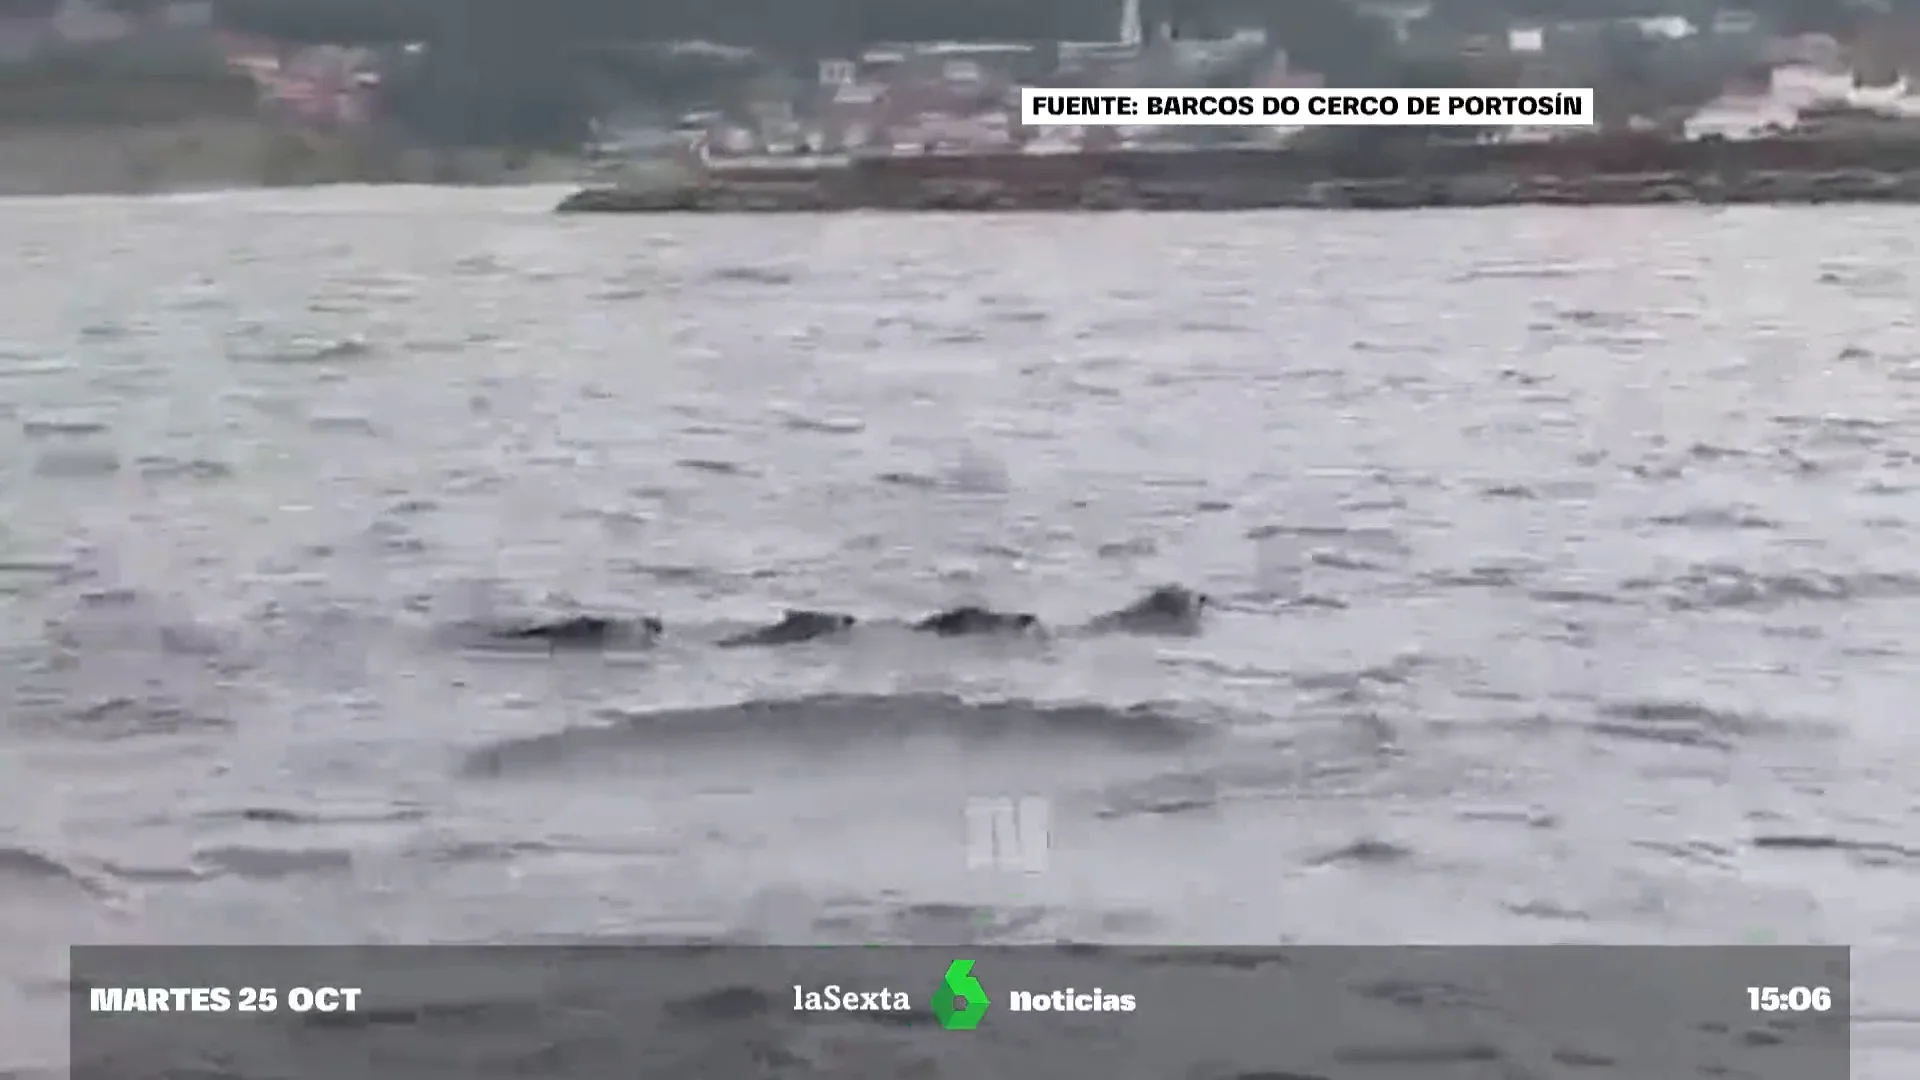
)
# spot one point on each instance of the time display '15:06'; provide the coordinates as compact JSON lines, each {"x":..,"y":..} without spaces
{"x":1789,"y":998}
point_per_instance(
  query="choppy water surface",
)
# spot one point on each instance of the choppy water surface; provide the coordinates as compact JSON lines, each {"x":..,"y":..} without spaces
{"x":1567,"y":562}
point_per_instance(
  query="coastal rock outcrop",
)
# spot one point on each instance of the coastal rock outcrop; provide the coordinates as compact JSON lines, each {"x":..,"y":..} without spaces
{"x":1591,"y":171}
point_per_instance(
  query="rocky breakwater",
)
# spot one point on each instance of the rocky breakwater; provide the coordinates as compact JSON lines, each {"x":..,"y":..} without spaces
{"x":1587,"y":171}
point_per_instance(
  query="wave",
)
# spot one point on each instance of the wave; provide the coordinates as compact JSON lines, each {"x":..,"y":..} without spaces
{"x":836,"y":718}
{"x":24,"y":868}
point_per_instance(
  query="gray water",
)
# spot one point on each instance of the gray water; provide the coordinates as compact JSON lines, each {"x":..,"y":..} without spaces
{"x":1565,"y":560}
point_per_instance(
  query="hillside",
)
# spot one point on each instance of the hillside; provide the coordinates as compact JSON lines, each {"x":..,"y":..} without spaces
{"x":59,"y":93}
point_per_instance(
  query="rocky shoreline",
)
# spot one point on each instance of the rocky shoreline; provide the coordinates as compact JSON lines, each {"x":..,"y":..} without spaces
{"x":1411,"y":193}
{"x":1583,"y":172}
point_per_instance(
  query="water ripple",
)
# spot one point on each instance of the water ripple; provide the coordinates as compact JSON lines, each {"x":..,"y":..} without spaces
{"x":1497,"y":514}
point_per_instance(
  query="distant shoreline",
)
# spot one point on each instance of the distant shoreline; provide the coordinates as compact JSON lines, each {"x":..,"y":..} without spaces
{"x":1593,"y":171}
{"x":1630,"y":189}
{"x":200,"y":153}
{"x":80,"y":126}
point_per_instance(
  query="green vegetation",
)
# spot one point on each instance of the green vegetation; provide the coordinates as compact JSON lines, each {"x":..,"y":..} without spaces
{"x":500,"y":72}
{"x":800,"y":25}
{"x":76,"y":91}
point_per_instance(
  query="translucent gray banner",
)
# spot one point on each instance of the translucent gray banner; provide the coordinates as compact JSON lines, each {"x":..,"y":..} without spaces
{"x":732,"y":1013}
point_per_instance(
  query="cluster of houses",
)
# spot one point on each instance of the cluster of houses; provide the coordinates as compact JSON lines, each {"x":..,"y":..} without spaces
{"x":321,"y":86}
{"x":960,"y":97}
{"x":1766,"y":82}
{"x":955,"y":97}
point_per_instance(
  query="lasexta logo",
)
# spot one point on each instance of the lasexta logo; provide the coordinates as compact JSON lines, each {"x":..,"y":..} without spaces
{"x":960,"y":1001}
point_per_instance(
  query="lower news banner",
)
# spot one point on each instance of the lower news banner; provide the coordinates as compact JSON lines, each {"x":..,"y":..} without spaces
{"x":729,"y":1012}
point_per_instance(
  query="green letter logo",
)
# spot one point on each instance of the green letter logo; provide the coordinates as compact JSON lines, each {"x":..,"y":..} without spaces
{"x":961,"y":1001}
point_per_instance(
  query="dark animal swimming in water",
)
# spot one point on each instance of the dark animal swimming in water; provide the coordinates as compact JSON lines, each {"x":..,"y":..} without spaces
{"x":584,"y":631}
{"x":971,"y":620}
{"x":794,"y":627}
{"x":1168,"y":609}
